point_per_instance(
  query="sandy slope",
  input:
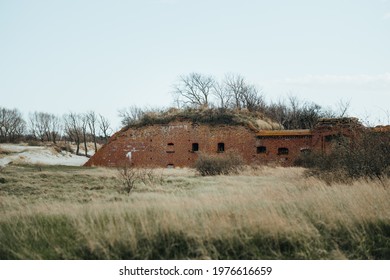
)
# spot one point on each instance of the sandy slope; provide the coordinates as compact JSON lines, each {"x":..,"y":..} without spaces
{"x":37,"y":155}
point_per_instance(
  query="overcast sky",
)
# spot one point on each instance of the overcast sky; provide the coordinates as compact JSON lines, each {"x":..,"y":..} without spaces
{"x":61,"y":56}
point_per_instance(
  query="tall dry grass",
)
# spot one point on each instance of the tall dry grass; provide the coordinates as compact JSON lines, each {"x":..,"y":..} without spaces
{"x":263,"y":213}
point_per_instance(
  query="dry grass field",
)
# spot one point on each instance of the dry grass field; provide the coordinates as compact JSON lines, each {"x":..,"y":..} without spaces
{"x":59,"y":212}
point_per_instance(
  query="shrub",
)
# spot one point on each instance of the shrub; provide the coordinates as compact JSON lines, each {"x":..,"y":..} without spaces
{"x":130,"y":177}
{"x":365,"y":156}
{"x":210,"y":165}
{"x":368,"y":156}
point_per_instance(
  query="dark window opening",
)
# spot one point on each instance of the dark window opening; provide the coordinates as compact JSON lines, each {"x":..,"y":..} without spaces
{"x":283,"y":151}
{"x":221,"y":147}
{"x":261,"y":149}
{"x":170,"y":148}
{"x":195,"y":147}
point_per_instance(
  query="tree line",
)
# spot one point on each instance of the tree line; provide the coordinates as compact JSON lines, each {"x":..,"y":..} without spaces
{"x":45,"y":127}
{"x":234,"y":92}
{"x":194,"y":90}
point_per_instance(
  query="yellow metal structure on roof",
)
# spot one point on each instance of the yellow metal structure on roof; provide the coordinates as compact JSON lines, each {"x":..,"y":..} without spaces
{"x":281,"y":133}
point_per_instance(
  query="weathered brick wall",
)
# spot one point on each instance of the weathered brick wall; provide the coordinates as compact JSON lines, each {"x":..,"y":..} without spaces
{"x":163,"y":145}
{"x":283,"y":150}
{"x":324,"y":139}
{"x":172,"y":144}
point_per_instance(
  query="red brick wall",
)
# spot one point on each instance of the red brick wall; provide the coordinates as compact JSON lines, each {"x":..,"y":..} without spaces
{"x":163,"y":145}
{"x":295,"y":145}
{"x":149,"y":145}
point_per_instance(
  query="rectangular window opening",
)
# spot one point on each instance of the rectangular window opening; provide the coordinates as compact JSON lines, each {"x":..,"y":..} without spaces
{"x":221,"y":147}
{"x":170,"y":148}
{"x":283,"y":151}
{"x":261,"y":149}
{"x":195,"y":147}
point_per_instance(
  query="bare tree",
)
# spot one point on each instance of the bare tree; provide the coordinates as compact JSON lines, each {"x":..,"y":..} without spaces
{"x":84,"y":130}
{"x":45,"y":126}
{"x":73,"y":129}
{"x":242,"y":94}
{"x":55,"y":128}
{"x":92,"y":122}
{"x":236,"y":88}
{"x":194,"y":90}
{"x":342,"y":108}
{"x":278,"y":111}
{"x":38,"y":125}
{"x":309,"y":115}
{"x":12,"y":125}
{"x":104,"y":126}
{"x":221,"y":93}
{"x":295,"y":113}
{"x":252,"y":99}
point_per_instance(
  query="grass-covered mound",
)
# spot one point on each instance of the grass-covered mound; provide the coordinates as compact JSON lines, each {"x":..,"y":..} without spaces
{"x":209,"y":116}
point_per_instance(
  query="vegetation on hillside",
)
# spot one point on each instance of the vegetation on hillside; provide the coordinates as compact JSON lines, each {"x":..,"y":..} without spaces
{"x":209,"y":116}
{"x":201,"y":98}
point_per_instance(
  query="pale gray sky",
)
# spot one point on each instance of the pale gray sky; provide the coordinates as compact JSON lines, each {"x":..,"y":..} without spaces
{"x":61,"y":56}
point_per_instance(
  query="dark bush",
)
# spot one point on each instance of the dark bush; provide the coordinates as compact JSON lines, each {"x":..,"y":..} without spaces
{"x":367,"y":155}
{"x":210,"y":165}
